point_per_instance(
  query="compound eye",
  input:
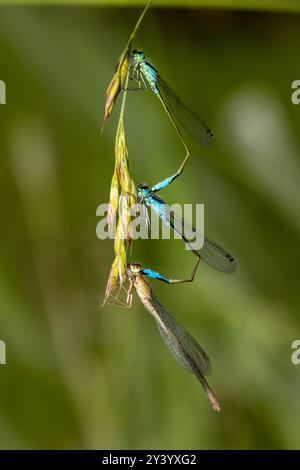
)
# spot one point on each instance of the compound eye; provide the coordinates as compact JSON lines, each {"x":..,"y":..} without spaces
{"x":136,"y":52}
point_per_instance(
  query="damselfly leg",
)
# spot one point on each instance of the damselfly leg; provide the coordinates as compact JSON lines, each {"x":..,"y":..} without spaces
{"x":116,"y":300}
{"x":155,"y":275}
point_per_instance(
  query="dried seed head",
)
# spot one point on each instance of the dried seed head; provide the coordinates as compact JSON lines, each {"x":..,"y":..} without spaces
{"x":112,"y":280}
{"x":116,"y":84}
{"x":122,"y":195}
{"x":113,"y":200}
{"x":122,"y":165}
{"x":125,"y":217}
{"x":122,"y":261}
{"x":119,"y":238}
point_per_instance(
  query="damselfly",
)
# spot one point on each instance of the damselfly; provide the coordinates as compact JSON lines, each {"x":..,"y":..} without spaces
{"x":182,"y":117}
{"x":181,"y":344}
{"x":211,"y":253}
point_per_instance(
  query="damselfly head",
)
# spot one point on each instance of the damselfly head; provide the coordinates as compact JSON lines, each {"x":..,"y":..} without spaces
{"x":142,"y":190}
{"x":133,"y":269}
{"x":137,"y":56}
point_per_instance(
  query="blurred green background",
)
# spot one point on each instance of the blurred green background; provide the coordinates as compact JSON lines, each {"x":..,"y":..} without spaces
{"x":78,"y":376}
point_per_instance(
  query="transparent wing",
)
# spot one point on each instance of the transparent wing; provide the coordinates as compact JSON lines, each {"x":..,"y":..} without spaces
{"x":183,"y":116}
{"x":211,"y":253}
{"x":181,"y":344}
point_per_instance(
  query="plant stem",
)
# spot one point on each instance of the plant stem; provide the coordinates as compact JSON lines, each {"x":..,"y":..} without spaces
{"x":123,"y":101}
{"x":133,"y":34}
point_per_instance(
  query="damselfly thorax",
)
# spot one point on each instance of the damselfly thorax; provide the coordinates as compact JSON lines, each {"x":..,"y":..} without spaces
{"x":143,"y":72}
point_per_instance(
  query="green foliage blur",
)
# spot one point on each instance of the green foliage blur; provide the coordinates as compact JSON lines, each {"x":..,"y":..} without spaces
{"x":78,"y":376}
